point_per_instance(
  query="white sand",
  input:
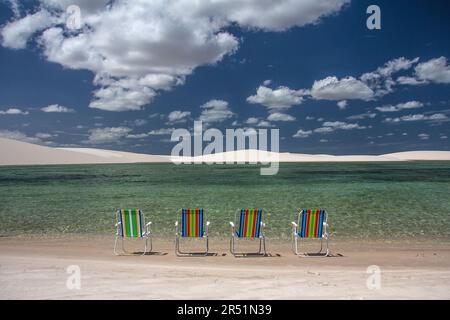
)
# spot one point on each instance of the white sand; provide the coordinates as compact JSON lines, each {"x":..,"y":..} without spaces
{"x":421,"y":155}
{"x":37,"y":270}
{"x":14,"y":152}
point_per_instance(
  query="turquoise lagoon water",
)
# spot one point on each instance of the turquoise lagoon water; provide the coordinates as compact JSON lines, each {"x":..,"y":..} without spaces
{"x":364,"y":200}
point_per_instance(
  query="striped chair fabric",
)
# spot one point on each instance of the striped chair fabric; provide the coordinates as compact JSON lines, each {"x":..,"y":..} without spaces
{"x":131,"y":223}
{"x":192,"y":222}
{"x":311,"y":223}
{"x":250,"y":223}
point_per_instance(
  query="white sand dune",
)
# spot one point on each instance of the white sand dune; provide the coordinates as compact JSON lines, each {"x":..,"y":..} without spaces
{"x":14,"y":152}
{"x":254,"y":156}
{"x":421,"y":155}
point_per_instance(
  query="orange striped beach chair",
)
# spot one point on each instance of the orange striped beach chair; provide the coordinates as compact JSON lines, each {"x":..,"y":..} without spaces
{"x":191,"y":224}
{"x":250,"y":225}
{"x":311,"y":224}
{"x":130,"y":223}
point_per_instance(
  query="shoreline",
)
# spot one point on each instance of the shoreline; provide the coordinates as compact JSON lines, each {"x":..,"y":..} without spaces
{"x":37,"y":269}
{"x":220,"y":239}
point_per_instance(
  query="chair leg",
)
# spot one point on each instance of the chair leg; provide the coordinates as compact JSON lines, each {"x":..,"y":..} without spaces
{"x":264,"y":244}
{"x":321,"y":245}
{"x":262,"y":247}
{"x":115,"y":246}
{"x":232,"y":245}
{"x":177,"y":246}
{"x":320,"y":253}
{"x":295,"y":244}
{"x":145,"y":246}
{"x":179,"y":253}
{"x":123,"y":246}
{"x":292,"y":243}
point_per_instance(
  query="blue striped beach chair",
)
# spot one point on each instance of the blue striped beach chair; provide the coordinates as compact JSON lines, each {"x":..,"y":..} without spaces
{"x":250,"y":226}
{"x":311,"y":224}
{"x":130,"y":223}
{"x":191,"y":224}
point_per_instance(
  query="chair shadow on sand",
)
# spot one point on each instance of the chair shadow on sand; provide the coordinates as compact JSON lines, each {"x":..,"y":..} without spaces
{"x":152,"y":253}
{"x":199,"y":254}
{"x":320,"y":255}
{"x":257,"y":255}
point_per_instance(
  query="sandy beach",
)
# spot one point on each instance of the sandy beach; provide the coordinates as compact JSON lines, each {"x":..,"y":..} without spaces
{"x":38,"y":269}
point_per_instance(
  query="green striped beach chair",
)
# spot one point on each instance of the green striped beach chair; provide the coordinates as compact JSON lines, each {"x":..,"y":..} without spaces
{"x":130,"y":223}
{"x":249,"y":226}
{"x":191,"y":224}
{"x":311,"y":224}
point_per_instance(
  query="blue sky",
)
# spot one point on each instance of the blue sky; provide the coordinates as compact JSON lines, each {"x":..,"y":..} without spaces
{"x":130,"y":75}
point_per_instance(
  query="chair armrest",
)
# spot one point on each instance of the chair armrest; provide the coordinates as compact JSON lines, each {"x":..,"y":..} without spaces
{"x":294,"y":224}
{"x":176,"y":223}
{"x":117,"y":224}
{"x":208,"y":223}
{"x":148,"y":224}
{"x":232,"y":224}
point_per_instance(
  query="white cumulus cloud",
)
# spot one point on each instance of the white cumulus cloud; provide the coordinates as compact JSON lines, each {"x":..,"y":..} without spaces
{"x":13,"y":111}
{"x":436,"y":117}
{"x":21,"y":136}
{"x":57,"y":108}
{"x":330,"y":126}
{"x":136,"y":48}
{"x":361,"y":116}
{"x":16,"y":34}
{"x":257,"y":122}
{"x":215,"y":111}
{"x":278,"y":116}
{"x":281,"y":98}
{"x":332,"y":88}
{"x":434,"y":70}
{"x":381,"y":81}
{"x":178,"y":116}
{"x":107,"y":135}
{"x":400,"y":106}
{"x":302,"y":133}
{"x":342,"y":104}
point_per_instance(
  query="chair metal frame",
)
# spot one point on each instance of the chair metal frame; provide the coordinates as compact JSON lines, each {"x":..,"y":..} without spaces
{"x":178,"y":236}
{"x":234,"y":237}
{"x":296,"y":237}
{"x":146,"y":235}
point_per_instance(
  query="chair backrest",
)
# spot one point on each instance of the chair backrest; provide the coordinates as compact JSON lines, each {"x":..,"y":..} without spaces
{"x":192,"y":222}
{"x":250,"y":223}
{"x":311,"y":222}
{"x":131,"y":222}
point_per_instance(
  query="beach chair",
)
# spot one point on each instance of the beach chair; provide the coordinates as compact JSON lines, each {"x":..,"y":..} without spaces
{"x":191,"y":224}
{"x":130,"y":223}
{"x":311,"y":224}
{"x":250,"y":225}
